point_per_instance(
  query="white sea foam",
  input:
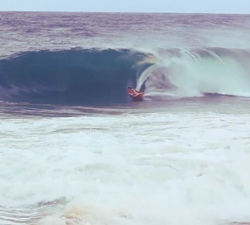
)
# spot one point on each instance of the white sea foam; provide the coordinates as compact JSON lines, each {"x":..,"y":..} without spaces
{"x":179,"y":167}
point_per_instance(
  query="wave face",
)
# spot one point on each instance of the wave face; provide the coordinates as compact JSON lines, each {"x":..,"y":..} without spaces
{"x":101,"y":77}
{"x":72,"y":77}
{"x":180,"y":73}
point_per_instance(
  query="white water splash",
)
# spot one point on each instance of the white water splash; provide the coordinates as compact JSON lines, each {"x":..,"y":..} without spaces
{"x":189,"y":74}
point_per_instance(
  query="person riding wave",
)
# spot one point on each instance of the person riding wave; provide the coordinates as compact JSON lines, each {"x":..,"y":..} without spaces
{"x":134,"y":94}
{"x":133,"y":91}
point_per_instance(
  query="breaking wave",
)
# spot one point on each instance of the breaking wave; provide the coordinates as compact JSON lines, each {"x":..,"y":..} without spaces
{"x":195,"y":73}
{"x":100,"y":77}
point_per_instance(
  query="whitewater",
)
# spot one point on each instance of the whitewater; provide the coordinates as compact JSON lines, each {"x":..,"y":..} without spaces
{"x":74,"y":148}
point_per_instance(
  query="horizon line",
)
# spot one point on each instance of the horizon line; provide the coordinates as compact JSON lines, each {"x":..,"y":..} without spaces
{"x":128,"y":12}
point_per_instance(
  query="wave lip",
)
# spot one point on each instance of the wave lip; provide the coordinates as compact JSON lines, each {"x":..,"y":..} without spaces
{"x":181,"y":73}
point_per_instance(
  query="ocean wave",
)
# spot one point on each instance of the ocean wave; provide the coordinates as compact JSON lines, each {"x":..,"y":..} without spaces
{"x":181,"y":73}
{"x":100,"y":77}
{"x":76,"y":76}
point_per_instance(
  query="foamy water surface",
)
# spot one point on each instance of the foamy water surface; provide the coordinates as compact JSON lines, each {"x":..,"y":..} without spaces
{"x":173,"y":166}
